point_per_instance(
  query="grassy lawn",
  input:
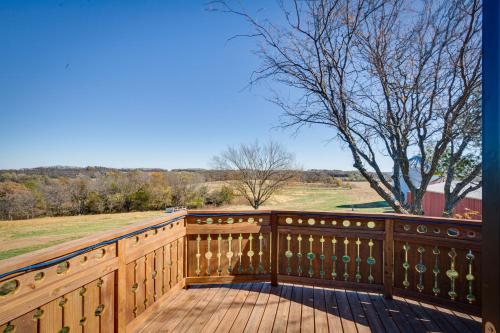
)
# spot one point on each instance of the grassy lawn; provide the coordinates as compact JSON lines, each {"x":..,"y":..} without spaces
{"x":360,"y":198}
{"x":19,"y":237}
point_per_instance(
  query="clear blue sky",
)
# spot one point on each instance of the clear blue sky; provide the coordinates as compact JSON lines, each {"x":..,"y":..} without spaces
{"x":135,"y":84}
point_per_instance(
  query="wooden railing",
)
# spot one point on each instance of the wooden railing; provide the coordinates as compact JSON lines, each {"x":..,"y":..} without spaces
{"x":105,"y":283}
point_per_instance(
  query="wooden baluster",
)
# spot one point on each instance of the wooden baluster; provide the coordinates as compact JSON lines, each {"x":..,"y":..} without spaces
{"x":121,"y":288}
{"x":388,"y":258}
{"x":274,"y":250}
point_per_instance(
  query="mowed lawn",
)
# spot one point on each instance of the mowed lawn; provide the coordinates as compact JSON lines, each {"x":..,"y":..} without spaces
{"x":18,"y":237}
{"x":361,"y":198}
{"x":22,"y":236}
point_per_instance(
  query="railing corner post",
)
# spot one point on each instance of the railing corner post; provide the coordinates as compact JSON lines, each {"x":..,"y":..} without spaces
{"x":274,"y":249}
{"x":389,"y":258}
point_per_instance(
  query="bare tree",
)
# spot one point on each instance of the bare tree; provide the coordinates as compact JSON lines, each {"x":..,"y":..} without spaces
{"x":261,"y":169}
{"x":390,"y":77}
{"x":461,"y":163}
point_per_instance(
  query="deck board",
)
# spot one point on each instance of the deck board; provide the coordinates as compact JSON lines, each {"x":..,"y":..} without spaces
{"x":260,"y":307}
{"x":241,"y":320}
{"x":295,"y":311}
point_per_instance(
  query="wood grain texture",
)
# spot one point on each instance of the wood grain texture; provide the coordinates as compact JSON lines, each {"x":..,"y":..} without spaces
{"x":260,"y":307}
{"x":129,"y":277}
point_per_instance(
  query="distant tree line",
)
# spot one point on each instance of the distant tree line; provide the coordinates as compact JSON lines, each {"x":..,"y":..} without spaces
{"x":308,"y":176}
{"x":57,"y":191}
{"x":28,"y":195}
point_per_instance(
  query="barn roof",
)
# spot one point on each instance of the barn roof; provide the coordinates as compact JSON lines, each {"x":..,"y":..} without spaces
{"x":439,"y":188}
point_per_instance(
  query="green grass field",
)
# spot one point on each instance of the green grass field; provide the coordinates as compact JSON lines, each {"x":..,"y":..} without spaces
{"x":313,"y":197}
{"x":19,"y":237}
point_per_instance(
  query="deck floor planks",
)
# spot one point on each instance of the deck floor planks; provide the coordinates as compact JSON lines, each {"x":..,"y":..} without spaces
{"x":233,"y":311}
{"x":423,"y":316}
{"x":383,"y":313}
{"x":348,"y":323}
{"x":185,"y":324}
{"x":414,"y":321}
{"x":454,"y":320}
{"x":267,"y":322}
{"x":440,"y":320}
{"x":307,"y":309}
{"x":259,"y":307}
{"x":332,"y":311}
{"x":358,"y":312}
{"x":469,"y":321}
{"x":218,"y":315}
{"x":169,"y":318}
{"x":320,"y":317}
{"x":242,"y":318}
{"x":295,"y":311}
{"x":370,"y":312}
{"x":170,"y":300}
{"x":209,"y":309}
{"x":258,"y":310}
{"x":281,"y":320}
{"x":400,"y":318}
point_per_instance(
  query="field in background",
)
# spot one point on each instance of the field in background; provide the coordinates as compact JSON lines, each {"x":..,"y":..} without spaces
{"x":18,"y":237}
{"x":360,"y":197}
{"x":22,"y":236}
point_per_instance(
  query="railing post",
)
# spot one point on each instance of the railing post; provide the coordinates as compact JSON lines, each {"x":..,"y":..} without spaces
{"x":388,"y":258}
{"x":274,"y":249}
{"x":120,"y":291}
{"x":185,"y":255}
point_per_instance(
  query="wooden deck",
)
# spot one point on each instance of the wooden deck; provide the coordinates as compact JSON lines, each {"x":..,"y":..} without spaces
{"x":259,"y":307}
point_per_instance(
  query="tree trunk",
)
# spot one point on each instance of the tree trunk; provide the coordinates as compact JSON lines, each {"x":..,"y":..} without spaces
{"x":416,"y":203}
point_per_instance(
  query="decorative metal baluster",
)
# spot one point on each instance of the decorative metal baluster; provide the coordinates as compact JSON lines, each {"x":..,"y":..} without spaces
{"x":370,"y":261}
{"x":406,"y":265}
{"x":358,"y":261}
{"x":334,"y":258}
{"x":322,"y":257}
{"x":261,"y":266}
{"x":288,"y":254}
{"x":452,"y":274}
{"x":299,"y":255}
{"x":219,"y":254}
{"x":470,"y":277}
{"x":250,"y":254}
{"x":436,"y":271}
{"x":311,"y":256}
{"x":421,"y":269}
{"x":240,"y":253}
{"x":198,"y":255}
{"x":230,"y":254}
{"x":346,"y":259}
{"x":208,"y":254}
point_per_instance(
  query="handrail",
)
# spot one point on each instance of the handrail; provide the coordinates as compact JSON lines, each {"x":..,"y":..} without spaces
{"x":341,"y":213}
{"x":130,"y":270}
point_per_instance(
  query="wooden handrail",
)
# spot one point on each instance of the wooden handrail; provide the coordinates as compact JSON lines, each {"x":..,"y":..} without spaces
{"x":114,"y":284}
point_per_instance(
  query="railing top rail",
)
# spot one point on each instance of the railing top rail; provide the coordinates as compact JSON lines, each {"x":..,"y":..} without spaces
{"x":63,"y":249}
{"x":347,"y":214}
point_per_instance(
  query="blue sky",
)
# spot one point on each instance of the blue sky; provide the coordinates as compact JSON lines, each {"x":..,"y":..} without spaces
{"x":135,"y":84}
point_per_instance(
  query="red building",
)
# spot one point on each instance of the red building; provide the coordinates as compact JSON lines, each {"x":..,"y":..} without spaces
{"x":433,"y":202}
